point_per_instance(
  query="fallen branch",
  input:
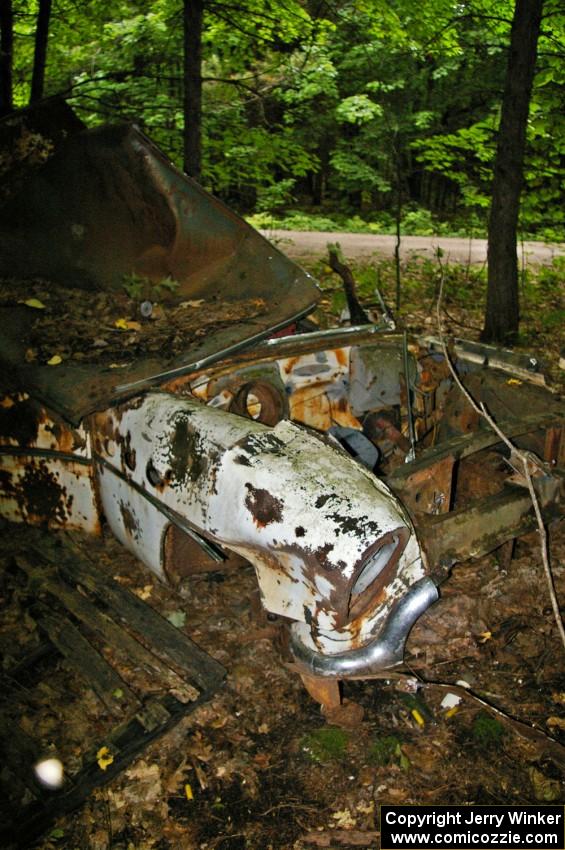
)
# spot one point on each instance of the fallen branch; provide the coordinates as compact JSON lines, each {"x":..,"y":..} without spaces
{"x":357,"y":314}
{"x":521,"y":461}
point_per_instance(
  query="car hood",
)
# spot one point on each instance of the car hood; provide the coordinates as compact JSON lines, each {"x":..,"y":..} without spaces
{"x":108,"y":206}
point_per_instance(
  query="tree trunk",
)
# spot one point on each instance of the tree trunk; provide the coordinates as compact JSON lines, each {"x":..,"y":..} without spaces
{"x":193,"y":19}
{"x":40,"y":54}
{"x":6,"y":51}
{"x":502,"y":313}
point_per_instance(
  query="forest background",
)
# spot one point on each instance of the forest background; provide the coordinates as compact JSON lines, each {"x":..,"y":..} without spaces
{"x":358,"y":115}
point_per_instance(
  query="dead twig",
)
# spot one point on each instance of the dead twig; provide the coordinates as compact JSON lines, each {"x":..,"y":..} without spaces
{"x":280,"y":806}
{"x":461,"y":324}
{"x":522,"y":461}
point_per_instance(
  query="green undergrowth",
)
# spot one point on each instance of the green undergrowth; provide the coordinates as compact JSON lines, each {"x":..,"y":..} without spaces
{"x":487,"y":732}
{"x":414,"y":222}
{"x":328,"y":743}
{"x":541,"y":292}
{"x":387,"y":749}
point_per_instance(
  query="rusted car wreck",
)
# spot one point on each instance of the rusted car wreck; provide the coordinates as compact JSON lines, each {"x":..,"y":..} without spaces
{"x":344,"y":464}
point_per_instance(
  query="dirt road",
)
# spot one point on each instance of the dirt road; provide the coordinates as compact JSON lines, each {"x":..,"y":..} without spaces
{"x":357,"y":246}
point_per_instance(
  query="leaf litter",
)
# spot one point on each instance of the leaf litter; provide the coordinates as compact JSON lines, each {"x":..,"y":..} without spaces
{"x":109,"y":327}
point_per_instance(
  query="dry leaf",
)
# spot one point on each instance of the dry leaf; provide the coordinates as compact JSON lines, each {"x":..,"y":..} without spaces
{"x":144,"y":772}
{"x":104,"y":758}
{"x":55,"y":360}
{"x":143,"y":592}
{"x":199,"y":748}
{"x":176,"y":778}
{"x":33,"y":302}
{"x":545,"y":789}
{"x":344,"y":818}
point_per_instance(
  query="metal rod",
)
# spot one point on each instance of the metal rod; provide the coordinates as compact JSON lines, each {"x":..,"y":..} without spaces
{"x":411,"y":433}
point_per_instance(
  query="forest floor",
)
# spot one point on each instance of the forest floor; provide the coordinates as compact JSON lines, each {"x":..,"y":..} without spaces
{"x":259,"y":767}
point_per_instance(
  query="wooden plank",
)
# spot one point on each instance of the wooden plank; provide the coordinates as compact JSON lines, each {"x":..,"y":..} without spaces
{"x":115,"y":636}
{"x":19,"y":752}
{"x":166,"y":641}
{"x":101,"y":677}
{"x":40,"y":555}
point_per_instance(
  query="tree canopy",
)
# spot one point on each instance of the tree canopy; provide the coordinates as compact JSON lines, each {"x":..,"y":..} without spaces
{"x":351,"y":105}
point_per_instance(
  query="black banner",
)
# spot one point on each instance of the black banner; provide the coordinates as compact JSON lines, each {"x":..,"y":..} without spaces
{"x":485,"y":827}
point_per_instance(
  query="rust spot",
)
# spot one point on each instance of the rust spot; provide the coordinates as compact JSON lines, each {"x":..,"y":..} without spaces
{"x":187,"y":459}
{"x":321,"y":555}
{"x":311,"y":406}
{"x":130,"y":522}
{"x":106,"y":432}
{"x":128,"y":454}
{"x":341,"y":356}
{"x":290,"y":364}
{"x":40,"y":496}
{"x":263,"y":507}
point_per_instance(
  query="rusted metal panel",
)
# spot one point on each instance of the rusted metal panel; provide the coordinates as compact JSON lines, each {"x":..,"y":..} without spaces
{"x":48,"y":491}
{"x":45,"y":472}
{"x":183,"y":557}
{"x":428,"y":490}
{"x":24,"y":423}
{"x":462,"y":446}
{"x":375,"y":376}
{"x":554,"y":447}
{"x":317,"y":386}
